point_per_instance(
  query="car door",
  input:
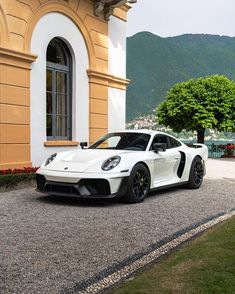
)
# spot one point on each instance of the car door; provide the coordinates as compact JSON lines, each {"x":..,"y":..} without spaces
{"x":165,"y":162}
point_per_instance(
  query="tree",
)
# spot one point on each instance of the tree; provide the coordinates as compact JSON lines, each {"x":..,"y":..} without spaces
{"x":198,"y":104}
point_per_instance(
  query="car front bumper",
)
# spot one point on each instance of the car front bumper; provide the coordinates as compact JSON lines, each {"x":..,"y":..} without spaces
{"x":82,"y":187}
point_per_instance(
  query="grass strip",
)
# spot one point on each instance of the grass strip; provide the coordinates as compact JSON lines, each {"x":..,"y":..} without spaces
{"x":204,"y":265}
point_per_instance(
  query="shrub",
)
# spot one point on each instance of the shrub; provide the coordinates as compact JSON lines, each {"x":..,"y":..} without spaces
{"x":10,"y":177}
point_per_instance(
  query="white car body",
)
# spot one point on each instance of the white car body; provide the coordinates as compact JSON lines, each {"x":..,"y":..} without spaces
{"x":66,"y":174}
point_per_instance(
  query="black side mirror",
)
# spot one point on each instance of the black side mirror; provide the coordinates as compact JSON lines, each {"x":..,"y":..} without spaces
{"x":159,"y":147}
{"x":83,"y":144}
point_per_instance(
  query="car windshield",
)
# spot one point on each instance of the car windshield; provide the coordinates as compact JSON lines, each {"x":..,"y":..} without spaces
{"x":123,"y":141}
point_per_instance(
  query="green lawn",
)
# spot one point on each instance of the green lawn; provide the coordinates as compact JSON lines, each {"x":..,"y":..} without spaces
{"x":204,"y":265}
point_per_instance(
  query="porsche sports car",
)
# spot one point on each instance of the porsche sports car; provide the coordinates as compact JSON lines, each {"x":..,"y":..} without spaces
{"x":127,"y":164}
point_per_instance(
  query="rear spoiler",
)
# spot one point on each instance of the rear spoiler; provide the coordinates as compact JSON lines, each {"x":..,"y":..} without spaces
{"x":195,"y":145}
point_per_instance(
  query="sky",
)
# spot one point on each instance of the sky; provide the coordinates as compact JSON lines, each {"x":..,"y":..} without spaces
{"x":176,"y":17}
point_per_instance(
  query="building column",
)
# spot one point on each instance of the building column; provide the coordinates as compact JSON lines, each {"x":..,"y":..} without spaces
{"x":15,"y":108}
{"x":99,"y":84}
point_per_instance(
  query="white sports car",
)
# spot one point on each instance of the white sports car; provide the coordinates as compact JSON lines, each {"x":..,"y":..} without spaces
{"x":127,"y":164}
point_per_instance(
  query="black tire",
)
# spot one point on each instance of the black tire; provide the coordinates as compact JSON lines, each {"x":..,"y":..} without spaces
{"x":196,"y":174}
{"x":138,"y":184}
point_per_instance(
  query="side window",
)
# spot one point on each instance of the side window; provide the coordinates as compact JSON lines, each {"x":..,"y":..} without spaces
{"x":160,"y":139}
{"x":173,"y":143}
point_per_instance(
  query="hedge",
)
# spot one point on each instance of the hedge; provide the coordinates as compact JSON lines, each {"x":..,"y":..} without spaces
{"x":12,"y":179}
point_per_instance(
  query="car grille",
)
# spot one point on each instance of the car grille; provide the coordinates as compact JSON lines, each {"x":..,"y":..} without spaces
{"x":85,"y":187}
{"x":40,"y":181}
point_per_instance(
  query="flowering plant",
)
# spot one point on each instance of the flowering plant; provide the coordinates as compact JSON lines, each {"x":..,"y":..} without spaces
{"x":25,"y":170}
{"x":228,"y":149}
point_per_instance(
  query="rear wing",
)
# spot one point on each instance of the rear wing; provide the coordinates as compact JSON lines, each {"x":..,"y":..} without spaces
{"x":195,"y":145}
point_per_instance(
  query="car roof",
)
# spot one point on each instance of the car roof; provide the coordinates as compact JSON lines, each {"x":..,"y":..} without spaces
{"x":144,"y":131}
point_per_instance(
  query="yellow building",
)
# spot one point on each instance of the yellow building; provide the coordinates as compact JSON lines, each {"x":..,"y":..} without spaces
{"x":62,"y":75}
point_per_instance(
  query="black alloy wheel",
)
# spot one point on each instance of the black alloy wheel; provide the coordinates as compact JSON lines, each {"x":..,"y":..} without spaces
{"x":196,"y":174}
{"x":139,"y":184}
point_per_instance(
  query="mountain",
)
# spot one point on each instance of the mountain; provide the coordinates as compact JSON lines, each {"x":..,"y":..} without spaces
{"x":155,"y":64}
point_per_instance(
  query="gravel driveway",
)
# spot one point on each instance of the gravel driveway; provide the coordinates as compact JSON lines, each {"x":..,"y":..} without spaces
{"x":49,"y":244}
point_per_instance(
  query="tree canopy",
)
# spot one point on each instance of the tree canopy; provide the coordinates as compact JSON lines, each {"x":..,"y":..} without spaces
{"x":198,"y":104}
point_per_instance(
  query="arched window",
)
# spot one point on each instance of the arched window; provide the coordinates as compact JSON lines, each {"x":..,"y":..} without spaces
{"x":58,"y":91}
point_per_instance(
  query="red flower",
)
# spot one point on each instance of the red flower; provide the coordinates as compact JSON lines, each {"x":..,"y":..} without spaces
{"x":4,"y":172}
{"x":19,"y":170}
{"x":230,"y":146}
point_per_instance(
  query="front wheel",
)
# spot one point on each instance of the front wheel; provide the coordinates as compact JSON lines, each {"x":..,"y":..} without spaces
{"x":138,"y":184}
{"x":196,"y":174}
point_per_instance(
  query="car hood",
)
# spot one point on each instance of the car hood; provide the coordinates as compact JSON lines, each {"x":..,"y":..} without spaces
{"x":86,"y":160}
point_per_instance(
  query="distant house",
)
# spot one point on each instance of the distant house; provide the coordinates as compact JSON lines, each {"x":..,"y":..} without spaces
{"x":62,"y":75}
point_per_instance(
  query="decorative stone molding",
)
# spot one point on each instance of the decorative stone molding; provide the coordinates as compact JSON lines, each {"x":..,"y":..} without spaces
{"x":60,"y":143}
{"x":52,"y":7}
{"x":17,"y":55}
{"x":107,"y":6}
{"x":107,"y":80}
{"x":4,"y":30}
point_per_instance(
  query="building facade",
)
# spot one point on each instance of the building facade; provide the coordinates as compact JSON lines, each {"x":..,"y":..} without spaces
{"x":62,"y":75}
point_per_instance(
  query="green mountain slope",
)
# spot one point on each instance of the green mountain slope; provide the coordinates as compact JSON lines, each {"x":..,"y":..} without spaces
{"x":155,"y":64}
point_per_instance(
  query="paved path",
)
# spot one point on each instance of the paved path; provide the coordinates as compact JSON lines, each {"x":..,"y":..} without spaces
{"x":221,"y":168}
{"x":49,"y":244}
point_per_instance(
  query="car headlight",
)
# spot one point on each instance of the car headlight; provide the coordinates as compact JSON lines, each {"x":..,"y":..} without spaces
{"x":50,"y":159}
{"x":111,"y":163}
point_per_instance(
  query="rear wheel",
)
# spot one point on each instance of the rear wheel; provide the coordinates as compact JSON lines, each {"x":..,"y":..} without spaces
{"x":196,"y":174}
{"x":138,"y":184}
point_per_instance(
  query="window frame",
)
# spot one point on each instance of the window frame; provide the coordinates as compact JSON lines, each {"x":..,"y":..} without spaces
{"x":67,"y":70}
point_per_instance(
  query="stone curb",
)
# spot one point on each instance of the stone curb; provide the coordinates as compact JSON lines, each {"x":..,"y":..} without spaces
{"x":103,"y":284}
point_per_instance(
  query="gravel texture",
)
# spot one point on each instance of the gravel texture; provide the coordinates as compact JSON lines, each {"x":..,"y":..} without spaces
{"x":105,"y":284}
{"x":50,"y":244}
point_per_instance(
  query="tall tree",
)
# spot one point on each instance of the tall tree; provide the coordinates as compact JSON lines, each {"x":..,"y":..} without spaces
{"x":198,"y":104}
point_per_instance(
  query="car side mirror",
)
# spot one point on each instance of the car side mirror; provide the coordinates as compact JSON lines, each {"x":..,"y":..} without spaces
{"x":159,"y":147}
{"x":83,"y":144}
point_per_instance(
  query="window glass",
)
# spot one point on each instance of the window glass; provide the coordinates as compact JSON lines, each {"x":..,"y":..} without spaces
{"x":49,"y":103}
{"x":49,"y":80}
{"x":58,"y":91}
{"x":61,"y":82}
{"x":56,"y":52}
{"x":160,"y":139}
{"x":112,"y":142}
{"x":173,"y":143}
{"x":49,"y":125}
{"x":61,"y":126}
{"x":61,"y":104}
{"x":123,"y":141}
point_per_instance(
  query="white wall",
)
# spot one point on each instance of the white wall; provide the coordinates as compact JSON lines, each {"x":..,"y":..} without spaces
{"x":117,"y":110}
{"x":49,"y":26}
{"x":117,"y":67}
{"x":117,"y":47}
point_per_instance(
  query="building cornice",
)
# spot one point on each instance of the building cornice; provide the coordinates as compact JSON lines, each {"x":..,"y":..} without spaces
{"x":27,"y":57}
{"x":112,"y":81}
{"x":106,"y":7}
